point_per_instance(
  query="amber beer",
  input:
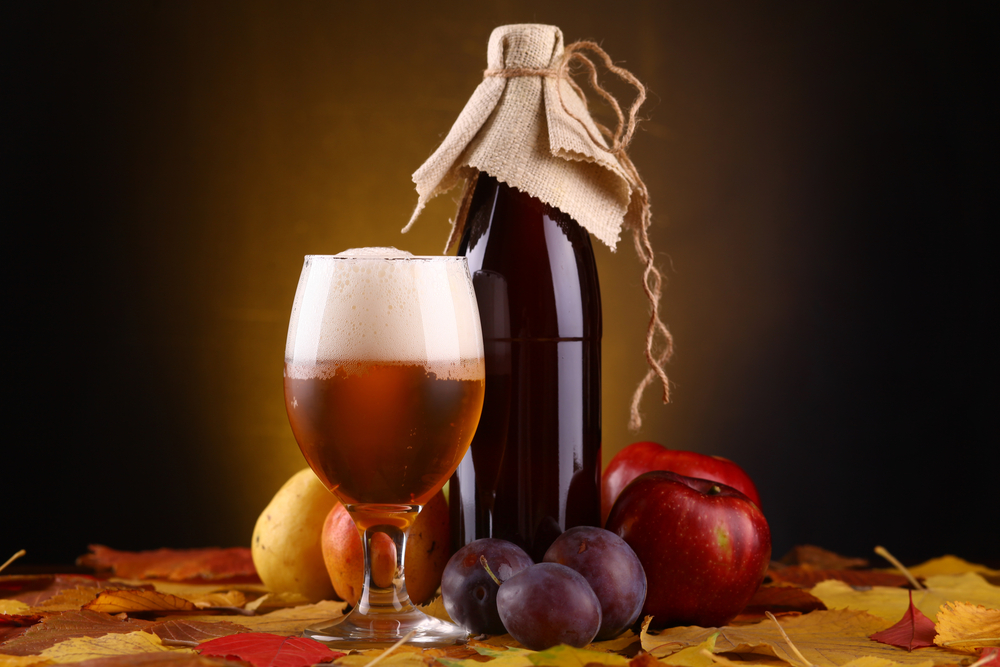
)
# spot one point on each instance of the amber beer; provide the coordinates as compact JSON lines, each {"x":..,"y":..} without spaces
{"x":384,"y":374}
{"x":383,"y":432}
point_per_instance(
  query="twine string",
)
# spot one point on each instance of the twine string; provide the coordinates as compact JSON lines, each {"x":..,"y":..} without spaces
{"x":619,"y":139}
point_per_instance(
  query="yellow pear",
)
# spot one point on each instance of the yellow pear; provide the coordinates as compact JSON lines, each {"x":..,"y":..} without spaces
{"x":286,"y":540}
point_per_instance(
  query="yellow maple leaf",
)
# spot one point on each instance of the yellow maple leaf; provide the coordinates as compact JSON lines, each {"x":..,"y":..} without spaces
{"x":13,"y":607}
{"x":869,"y":661}
{"x":950,"y":565}
{"x":966,"y":627}
{"x":891,"y":603}
{"x":826,"y":639}
{"x":23,"y":661}
{"x":87,"y":648}
{"x":699,"y":655}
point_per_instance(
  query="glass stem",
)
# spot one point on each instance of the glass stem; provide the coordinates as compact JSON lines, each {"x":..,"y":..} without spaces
{"x":384,"y":589}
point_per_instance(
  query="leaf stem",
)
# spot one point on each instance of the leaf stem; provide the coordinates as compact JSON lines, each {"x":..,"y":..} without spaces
{"x":392,"y":648}
{"x":884,"y":553}
{"x":792,"y":646}
{"x":12,"y":559}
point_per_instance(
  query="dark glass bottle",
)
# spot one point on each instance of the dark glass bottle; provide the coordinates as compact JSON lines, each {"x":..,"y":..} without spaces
{"x":533,"y":469}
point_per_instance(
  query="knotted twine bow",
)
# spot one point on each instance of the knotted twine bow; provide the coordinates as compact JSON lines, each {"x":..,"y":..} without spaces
{"x":652,"y":279}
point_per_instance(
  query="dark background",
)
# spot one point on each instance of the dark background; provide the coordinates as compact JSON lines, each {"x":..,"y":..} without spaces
{"x":823,"y":176}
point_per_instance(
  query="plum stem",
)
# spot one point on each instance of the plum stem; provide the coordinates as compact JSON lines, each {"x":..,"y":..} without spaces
{"x":884,"y":553}
{"x":482,"y":559}
{"x":792,"y":646}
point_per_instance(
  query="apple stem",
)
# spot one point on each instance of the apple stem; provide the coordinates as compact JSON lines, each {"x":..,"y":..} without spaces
{"x":884,"y":553}
{"x":792,"y":646}
{"x":714,"y":490}
{"x":405,"y":638}
{"x":482,"y":559}
{"x":13,"y":558}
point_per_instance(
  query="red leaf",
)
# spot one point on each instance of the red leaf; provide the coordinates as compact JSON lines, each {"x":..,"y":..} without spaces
{"x":993,"y":655}
{"x":262,"y":648}
{"x":233,"y":565}
{"x":912,"y":631}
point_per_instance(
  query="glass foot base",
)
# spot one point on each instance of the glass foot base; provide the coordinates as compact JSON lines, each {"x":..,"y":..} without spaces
{"x":356,"y":631}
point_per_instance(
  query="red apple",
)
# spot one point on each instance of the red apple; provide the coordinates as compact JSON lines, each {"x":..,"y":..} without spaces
{"x":704,"y":546}
{"x":640,"y":457}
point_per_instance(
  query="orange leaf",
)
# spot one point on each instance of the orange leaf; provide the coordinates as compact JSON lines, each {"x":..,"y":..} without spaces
{"x":233,"y":565}
{"x":116,"y":601}
{"x":965,"y":627}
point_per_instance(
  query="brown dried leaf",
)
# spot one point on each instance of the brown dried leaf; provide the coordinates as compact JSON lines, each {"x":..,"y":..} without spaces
{"x":116,"y":601}
{"x":779,"y":600}
{"x":821,"y":559}
{"x":232,"y":565}
{"x":186,"y":630}
{"x":287,"y":621}
{"x":966,"y":627}
{"x":37,"y":589}
{"x":806,"y":576}
{"x":68,"y":625}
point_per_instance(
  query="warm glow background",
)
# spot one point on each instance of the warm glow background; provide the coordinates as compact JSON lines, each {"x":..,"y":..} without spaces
{"x":821,"y":175}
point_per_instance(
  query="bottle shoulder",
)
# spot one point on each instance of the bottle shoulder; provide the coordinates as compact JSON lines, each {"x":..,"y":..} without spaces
{"x":540,"y":263}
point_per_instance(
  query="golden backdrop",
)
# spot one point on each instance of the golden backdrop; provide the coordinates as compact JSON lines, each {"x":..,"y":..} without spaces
{"x":172,"y":163}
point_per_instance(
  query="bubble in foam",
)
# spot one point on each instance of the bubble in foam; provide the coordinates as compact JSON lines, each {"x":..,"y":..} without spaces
{"x":384,"y":305}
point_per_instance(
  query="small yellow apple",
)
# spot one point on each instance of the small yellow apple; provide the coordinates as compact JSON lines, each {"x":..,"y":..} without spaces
{"x":427,"y":551}
{"x":286,"y":546}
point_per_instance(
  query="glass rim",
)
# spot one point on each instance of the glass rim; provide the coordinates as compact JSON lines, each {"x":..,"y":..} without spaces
{"x":383,"y":258}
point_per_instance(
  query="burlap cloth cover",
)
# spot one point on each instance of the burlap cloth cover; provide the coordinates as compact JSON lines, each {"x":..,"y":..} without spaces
{"x":527,"y":125}
{"x":516,"y":130}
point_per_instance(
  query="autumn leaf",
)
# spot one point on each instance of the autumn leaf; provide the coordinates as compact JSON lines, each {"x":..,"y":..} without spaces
{"x":116,"y":601}
{"x":14,"y":607}
{"x":290,"y":621}
{"x":86,"y":648}
{"x":966,"y":627}
{"x":825,"y":638}
{"x":260,"y":648}
{"x":806,"y":576}
{"x":232,"y":564}
{"x":567,"y":656}
{"x":912,"y":631}
{"x":35,"y":590}
{"x":821,"y":559}
{"x":69,"y":625}
{"x":157,"y":659}
{"x":990,"y":657}
{"x":186,"y":631}
{"x":779,"y":600}
{"x":951,"y":565}
{"x":891,"y":603}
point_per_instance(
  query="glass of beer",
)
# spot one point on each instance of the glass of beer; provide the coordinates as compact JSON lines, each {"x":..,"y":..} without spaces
{"x":384,"y":381}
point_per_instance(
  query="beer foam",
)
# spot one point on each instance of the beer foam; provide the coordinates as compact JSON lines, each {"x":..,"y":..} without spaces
{"x":384,"y":305}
